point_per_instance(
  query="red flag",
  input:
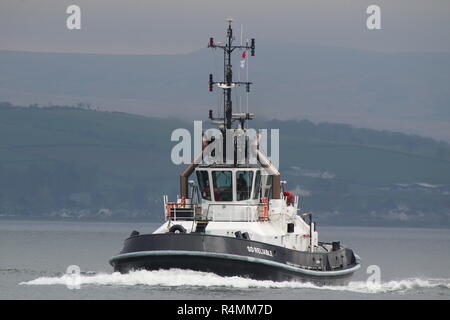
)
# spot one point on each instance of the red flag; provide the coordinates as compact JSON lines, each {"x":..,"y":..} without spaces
{"x":244,"y":55}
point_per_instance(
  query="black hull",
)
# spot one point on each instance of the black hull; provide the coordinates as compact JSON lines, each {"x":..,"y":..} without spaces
{"x":228,"y":256}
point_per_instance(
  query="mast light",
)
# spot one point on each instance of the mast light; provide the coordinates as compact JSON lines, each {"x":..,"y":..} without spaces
{"x":253,"y":48}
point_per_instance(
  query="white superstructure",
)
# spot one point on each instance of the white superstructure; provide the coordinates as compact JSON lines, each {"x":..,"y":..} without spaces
{"x":236,"y":200}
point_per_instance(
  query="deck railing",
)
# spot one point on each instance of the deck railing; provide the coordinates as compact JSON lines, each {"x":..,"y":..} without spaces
{"x":228,"y":212}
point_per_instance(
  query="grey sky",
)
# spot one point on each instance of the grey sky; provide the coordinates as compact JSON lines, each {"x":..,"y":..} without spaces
{"x":164,"y":26}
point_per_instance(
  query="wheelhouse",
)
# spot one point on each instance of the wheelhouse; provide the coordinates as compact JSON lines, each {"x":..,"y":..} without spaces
{"x":231,"y":184}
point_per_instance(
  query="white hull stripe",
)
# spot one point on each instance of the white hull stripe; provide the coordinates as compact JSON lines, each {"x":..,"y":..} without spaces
{"x":234,"y":257}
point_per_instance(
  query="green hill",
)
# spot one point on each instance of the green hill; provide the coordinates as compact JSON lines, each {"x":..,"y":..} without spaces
{"x":74,"y":161}
{"x":406,"y":92}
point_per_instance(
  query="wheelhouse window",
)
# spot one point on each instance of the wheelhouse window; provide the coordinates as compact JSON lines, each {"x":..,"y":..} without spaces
{"x":223,"y":185}
{"x":267,"y":187}
{"x":244,"y":181}
{"x":203,"y":183}
{"x":257,"y":190}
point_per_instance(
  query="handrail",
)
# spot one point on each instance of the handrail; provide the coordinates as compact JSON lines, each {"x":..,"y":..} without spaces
{"x":260,"y":214}
{"x":173,"y":206}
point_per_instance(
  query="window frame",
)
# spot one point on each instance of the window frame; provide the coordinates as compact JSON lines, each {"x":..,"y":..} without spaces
{"x":210,"y":185}
{"x":251,"y":182}
{"x":233,"y":186}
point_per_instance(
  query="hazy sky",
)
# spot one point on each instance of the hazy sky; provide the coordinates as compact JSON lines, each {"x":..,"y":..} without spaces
{"x":165,"y":26}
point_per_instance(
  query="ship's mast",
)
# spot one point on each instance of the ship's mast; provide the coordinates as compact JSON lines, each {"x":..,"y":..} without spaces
{"x":229,"y":117}
{"x":227,"y":84}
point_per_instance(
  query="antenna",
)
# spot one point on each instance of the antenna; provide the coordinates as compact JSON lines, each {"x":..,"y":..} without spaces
{"x":228,"y":84}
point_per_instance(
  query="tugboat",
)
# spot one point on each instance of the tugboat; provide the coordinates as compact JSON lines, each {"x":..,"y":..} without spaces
{"x":236,"y":219}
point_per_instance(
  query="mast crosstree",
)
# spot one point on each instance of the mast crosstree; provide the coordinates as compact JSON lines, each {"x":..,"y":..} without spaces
{"x":228,"y":84}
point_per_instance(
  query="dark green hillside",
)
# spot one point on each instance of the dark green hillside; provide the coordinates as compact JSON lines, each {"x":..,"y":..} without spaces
{"x":76,"y":158}
{"x":67,"y":161}
{"x":405,"y":92}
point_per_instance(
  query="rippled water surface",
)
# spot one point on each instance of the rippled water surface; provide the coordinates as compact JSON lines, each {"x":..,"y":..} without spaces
{"x":34,"y":256}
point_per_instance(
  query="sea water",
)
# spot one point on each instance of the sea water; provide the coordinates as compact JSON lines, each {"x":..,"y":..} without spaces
{"x":35,"y":256}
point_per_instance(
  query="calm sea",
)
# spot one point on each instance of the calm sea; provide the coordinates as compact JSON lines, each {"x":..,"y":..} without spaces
{"x":34,"y":257}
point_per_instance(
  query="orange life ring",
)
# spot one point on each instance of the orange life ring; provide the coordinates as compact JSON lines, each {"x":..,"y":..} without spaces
{"x":265,"y":209}
{"x":169,"y":207}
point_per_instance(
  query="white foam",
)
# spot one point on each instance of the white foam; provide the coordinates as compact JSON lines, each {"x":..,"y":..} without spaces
{"x":176,"y":278}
